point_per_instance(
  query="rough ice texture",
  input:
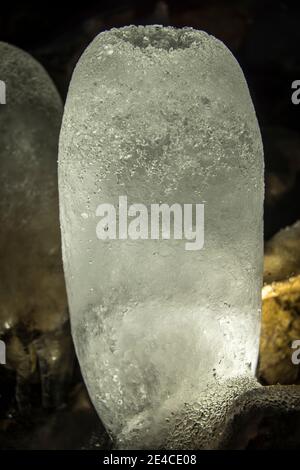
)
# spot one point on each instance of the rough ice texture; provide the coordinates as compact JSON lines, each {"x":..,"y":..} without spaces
{"x":32,"y":292}
{"x":226,"y":416}
{"x":237,"y":414}
{"x":161,"y":115}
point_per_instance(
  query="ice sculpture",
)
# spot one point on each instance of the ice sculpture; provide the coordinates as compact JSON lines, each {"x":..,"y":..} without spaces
{"x":162,"y":115}
{"x":33,"y":310}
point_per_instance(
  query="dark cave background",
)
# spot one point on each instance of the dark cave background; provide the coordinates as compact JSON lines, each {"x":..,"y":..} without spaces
{"x":264,"y":36}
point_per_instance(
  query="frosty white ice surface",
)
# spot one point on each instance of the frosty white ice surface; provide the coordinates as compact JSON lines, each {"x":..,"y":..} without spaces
{"x":161,"y":115}
{"x":32,"y":293}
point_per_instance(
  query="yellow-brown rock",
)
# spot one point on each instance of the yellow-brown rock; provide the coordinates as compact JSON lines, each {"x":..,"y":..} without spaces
{"x":280,"y":327}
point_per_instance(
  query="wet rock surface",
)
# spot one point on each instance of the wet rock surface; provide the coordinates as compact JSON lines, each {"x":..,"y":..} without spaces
{"x":282,"y":255}
{"x":280,"y":328}
{"x":281,"y":307}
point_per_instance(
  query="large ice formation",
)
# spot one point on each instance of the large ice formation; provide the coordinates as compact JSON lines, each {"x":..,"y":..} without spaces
{"x":161,"y":115}
{"x":32,"y":292}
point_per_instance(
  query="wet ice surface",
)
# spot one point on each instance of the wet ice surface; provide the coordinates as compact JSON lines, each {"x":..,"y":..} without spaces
{"x":145,"y":359}
{"x":30,"y":122}
{"x":165,"y":117}
{"x":32,"y":291}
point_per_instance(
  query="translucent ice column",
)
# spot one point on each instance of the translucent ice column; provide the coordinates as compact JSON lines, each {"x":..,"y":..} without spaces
{"x":32,"y":292}
{"x":161,"y":115}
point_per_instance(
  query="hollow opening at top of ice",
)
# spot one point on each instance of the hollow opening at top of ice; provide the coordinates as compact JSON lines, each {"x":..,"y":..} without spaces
{"x":158,"y":36}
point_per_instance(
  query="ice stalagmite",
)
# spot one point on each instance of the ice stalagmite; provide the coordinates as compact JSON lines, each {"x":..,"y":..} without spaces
{"x":32,"y":292}
{"x":161,"y":116}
